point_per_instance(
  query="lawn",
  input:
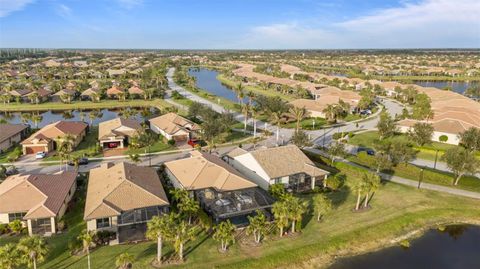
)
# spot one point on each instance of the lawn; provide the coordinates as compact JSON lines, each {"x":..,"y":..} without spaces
{"x":396,"y":210}
{"x":83,"y":105}
{"x":159,"y":145}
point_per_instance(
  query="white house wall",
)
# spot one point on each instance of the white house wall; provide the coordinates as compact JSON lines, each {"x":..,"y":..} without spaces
{"x":248,"y":166}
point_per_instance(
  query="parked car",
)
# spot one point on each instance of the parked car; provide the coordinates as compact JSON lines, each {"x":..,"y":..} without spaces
{"x":367,"y":150}
{"x":193,"y":142}
{"x":11,"y":170}
{"x":40,"y":155}
{"x":81,"y":161}
{"x":366,"y":112}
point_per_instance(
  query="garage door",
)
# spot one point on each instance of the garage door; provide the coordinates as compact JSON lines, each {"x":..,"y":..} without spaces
{"x":180,"y":138}
{"x":32,"y":150}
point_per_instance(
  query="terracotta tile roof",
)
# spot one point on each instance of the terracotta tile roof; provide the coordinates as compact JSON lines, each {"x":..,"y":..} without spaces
{"x":114,"y":90}
{"x":203,"y":170}
{"x":171,"y":123}
{"x":40,"y":195}
{"x":56,"y":129}
{"x":8,"y":130}
{"x":135,"y":90}
{"x":90,"y":91}
{"x":120,"y":127}
{"x":113,"y":188}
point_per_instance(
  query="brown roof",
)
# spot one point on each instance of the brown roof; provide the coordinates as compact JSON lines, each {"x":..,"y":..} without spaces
{"x":42,"y":92}
{"x":90,"y":91}
{"x":135,"y":90}
{"x":203,"y":170}
{"x":8,"y":130}
{"x":114,"y":90}
{"x":113,"y":128}
{"x":171,"y":123}
{"x":113,"y":188}
{"x":284,"y":161}
{"x":19,"y":92}
{"x":40,"y":195}
{"x":65,"y":92}
{"x":56,"y":129}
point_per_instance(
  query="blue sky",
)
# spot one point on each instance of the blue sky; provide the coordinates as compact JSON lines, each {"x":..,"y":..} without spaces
{"x":240,"y":24}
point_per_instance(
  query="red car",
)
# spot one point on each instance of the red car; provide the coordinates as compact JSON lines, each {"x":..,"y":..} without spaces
{"x":193,"y":142}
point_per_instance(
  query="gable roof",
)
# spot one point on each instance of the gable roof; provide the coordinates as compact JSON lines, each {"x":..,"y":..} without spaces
{"x":171,"y":123}
{"x":114,"y":90}
{"x":109,"y":128}
{"x":113,"y":188}
{"x":8,"y":130}
{"x":284,"y":161}
{"x":56,"y":129}
{"x":203,"y":170}
{"x":40,"y":195}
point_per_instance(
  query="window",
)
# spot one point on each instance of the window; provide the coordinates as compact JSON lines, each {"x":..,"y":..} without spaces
{"x":103,"y":223}
{"x":15,"y":216}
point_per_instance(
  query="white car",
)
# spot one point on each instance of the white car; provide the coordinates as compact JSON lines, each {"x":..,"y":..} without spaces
{"x":40,"y":155}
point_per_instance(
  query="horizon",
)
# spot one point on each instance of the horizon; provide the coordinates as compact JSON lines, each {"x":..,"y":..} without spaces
{"x":240,"y":25}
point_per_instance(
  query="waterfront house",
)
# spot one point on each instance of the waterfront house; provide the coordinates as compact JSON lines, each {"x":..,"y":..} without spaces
{"x":116,"y":133}
{"x":173,"y":126}
{"x":11,"y":134}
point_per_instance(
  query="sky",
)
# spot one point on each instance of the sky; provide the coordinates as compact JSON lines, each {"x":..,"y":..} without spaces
{"x":240,"y":24}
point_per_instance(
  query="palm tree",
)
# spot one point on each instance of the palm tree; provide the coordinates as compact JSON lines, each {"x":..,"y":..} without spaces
{"x":36,"y":119}
{"x":124,"y":261}
{"x":183,"y":233}
{"x":280,"y":211}
{"x":358,"y":187}
{"x":322,"y":205}
{"x":225,"y":234}
{"x":148,"y":93}
{"x":34,"y":97}
{"x":251,"y":96}
{"x":239,"y":91}
{"x":258,"y":226}
{"x":33,"y":249}
{"x":331,"y":113}
{"x":87,"y":238}
{"x":275,"y":118}
{"x":95,"y":97}
{"x":121,"y":96}
{"x":188,"y":206}
{"x":372,"y":183}
{"x":298,"y":114}
{"x":296,"y":208}
{"x":65,"y":147}
{"x":245,"y":110}
{"x":160,"y":228}
{"x":9,"y":256}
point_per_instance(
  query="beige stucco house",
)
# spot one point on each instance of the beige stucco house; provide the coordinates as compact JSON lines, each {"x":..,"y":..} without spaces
{"x":38,"y":200}
{"x":116,"y":133}
{"x":173,"y":126}
{"x":11,"y":134}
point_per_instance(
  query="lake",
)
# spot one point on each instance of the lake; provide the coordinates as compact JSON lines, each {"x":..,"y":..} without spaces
{"x":207,"y":81}
{"x":457,"y":86}
{"x":457,"y":247}
{"x":93,"y":117}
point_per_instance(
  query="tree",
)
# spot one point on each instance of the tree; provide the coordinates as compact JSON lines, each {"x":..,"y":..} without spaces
{"x":258,"y":226}
{"x":160,"y":228}
{"x":33,"y":250}
{"x":275,"y":118}
{"x":470,"y":139}
{"x":422,"y":108}
{"x":296,"y":208}
{"x":225,"y":234}
{"x":280,"y":211}
{"x":322,"y":205}
{"x":386,"y":125}
{"x":336,"y":149}
{"x":239,"y":92}
{"x":460,"y":161}
{"x":301,"y":139}
{"x":372,"y":183}
{"x":331,"y":113}
{"x":298,"y":114}
{"x":87,"y":238}
{"x":245,"y":110}
{"x":182,"y":234}
{"x":358,"y":187}
{"x":135,"y":158}
{"x":65,"y":147}
{"x":400,"y":152}
{"x":9,"y":256}
{"x":124,"y":260}
{"x":421,"y":133}
{"x":16,"y":226}
{"x":382,"y":161}
{"x":367,"y":98}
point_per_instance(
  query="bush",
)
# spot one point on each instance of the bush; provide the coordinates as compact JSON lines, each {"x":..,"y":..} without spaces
{"x":16,"y":226}
{"x":171,"y":142}
{"x":3,"y":228}
{"x":75,"y":246}
{"x":443,"y":138}
{"x":336,"y":182}
{"x":205,"y":220}
{"x":351,"y":134}
{"x":104,"y":237}
{"x":337,"y":136}
{"x":61,"y":225}
{"x":277,"y":190}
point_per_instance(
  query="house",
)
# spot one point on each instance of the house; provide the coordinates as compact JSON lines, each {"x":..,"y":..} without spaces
{"x":11,"y":134}
{"x":287,"y":165}
{"x":64,"y":95}
{"x":47,"y":138}
{"x":121,"y":198}
{"x":42,"y":95}
{"x":223,"y":192}
{"x":114,"y":92}
{"x":91,"y":94}
{"x":173,"y":126}
{"x":38,"y":200}
{"x":135,"y":91}
{"x":19,"y":94}
{"x":116,"y":133}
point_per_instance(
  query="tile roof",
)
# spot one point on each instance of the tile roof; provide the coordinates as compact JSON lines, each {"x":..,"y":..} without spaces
{"x":56,"y":129}
{"x":8,"y":130}
{"x":171,"y":123}
{"x":113,"y":128}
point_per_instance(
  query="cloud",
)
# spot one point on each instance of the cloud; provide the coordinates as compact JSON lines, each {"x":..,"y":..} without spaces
{"x":129,"y":4}
{"x":64,"y":11}
{"x":9,"y":6}
{"x":427,"y":24}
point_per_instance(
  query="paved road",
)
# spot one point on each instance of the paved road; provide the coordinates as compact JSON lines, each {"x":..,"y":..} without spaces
{"x":409,"y":182}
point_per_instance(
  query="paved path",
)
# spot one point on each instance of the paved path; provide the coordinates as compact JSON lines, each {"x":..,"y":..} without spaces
{"x":409,"y":182}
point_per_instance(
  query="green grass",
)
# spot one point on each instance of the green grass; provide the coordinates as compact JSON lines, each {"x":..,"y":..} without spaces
{"x":83,"y":105}
{"x":257,"y":90}
{"x":306,"y":124}
{"x":158,"y":146}
{"x":84,"y":148}
{"x":396,"y":210}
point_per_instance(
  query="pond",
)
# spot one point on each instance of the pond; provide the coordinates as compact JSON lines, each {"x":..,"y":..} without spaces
{"x":207,"y":80}
{"x":456,"y":86}
{"x":458,"y":246}
{"x":93,"y":117}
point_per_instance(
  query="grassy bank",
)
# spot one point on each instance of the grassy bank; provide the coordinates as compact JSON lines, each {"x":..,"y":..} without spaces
{"x":231,"y":83}
{"x":159,"y":103}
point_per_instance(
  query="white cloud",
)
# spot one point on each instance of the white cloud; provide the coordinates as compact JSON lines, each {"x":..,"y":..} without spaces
{"x":128,"y":4}
{"x":64,"y":11}
{"x":430,"y":23}
{"x":9,"y":6}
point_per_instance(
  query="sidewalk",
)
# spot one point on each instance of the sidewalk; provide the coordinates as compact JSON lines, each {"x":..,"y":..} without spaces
{"x":409,"y":182}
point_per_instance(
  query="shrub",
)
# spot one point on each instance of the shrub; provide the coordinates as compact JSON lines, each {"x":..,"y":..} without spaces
{"x":75,"y":246}
{"x":336,"y":182}
{"x":171,"y":142}
{"x":443,"y":138}
{"x":351,"y":134}
{"x":277,"y":191}
{"x":61,"y":225}
{"x":103,"y":237}
{"x":205,"y":220}
{"x":3,"y":228}
{"x":337,"y":136}
{"x":16,"y":226}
